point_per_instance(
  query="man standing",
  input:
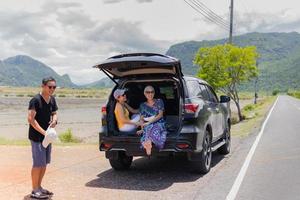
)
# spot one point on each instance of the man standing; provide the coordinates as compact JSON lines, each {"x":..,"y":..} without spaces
{"x":41,"y":114}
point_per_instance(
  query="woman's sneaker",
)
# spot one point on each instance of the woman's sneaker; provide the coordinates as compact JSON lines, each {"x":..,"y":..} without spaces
{"x":38,"y":195}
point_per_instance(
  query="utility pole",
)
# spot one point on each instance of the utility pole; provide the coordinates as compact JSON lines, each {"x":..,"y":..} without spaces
{"x":231,"y":22}
{"x":255,"y":87}
{"x":255,"y":92}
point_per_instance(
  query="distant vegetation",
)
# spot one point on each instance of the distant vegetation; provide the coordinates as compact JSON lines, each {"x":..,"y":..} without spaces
{"x":279,"y":61}
{"x":102,"y":83}
{"x":60,"y":92}
{"x":294,"y":94}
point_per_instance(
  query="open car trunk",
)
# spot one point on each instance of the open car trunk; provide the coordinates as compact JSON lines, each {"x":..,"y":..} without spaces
{"x":165,"y":89}
{"x":136,"y":64}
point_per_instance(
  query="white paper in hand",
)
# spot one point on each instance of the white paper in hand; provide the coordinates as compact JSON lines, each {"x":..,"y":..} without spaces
{"x":50,"y":137}
{"x":149,"y":118}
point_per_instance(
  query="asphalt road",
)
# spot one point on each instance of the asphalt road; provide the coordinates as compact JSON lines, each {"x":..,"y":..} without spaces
{"x":274,"y":170}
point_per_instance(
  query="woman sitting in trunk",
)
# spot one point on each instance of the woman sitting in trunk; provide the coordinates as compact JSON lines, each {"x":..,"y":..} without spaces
{"x":154,"y":130}
{"x":125,"y":124}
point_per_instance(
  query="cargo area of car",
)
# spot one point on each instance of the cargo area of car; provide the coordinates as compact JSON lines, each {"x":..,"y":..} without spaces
{"x":165,"y":89}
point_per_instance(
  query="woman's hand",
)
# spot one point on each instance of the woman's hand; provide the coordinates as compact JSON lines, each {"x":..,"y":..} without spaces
{"x":138,"y":123}
{"x":146,"y":124}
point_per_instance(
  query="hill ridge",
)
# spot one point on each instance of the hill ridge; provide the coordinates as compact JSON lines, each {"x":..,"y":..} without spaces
{"x":279,"y":51}
{"x":23,"y":70}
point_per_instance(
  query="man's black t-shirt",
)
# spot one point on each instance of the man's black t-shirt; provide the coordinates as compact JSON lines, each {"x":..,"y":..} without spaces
{"x":43,"y":115}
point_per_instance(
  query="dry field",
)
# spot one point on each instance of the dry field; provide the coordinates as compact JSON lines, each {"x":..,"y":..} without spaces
{"x":82,"y":115}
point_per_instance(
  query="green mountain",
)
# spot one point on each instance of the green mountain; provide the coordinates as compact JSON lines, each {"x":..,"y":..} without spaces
{"x":279,"y":61}
{"x":102,"y":83}
{"x":25,"y":71}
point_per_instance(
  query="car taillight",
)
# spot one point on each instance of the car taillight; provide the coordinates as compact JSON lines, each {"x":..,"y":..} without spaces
{"x":182,"y":145}
{"x":190,"y":107}
{"x":103,"y":110}
{"x":106,"y":146}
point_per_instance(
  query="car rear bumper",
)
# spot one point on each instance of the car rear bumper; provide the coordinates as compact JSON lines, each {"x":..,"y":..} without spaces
{"x":132,"y":147}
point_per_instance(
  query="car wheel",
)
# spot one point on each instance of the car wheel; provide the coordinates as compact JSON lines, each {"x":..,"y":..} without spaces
{"x":204,"y":164}
{"x":225,"y":149}
{"x":123,"y":161}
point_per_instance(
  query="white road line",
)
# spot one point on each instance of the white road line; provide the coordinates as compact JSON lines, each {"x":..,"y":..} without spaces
{"x":239,"y":179}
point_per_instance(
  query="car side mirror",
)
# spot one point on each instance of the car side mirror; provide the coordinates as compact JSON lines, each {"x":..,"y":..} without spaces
{"x":224,"y":99}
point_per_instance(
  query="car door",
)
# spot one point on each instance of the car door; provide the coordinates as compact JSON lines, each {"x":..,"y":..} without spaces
{"x":219,"y":123}
{"x":211,"y":108}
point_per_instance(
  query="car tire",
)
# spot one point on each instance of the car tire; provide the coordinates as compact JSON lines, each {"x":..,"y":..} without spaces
{"x":204,"y":164}
{"x":225,"y":149}
{"x":123,"y":161}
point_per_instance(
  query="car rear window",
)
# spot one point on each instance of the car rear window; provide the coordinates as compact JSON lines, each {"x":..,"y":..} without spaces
{"x":204,"y":92}
{"x":193,"y":88}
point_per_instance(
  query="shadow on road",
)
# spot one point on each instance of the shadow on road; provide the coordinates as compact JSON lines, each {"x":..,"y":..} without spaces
{"x":150,"y":175}
{"x":27,"y":197}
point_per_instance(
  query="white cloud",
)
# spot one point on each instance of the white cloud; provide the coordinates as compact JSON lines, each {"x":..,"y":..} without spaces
{"x":73,"y":36}
{"x":124,"y":36}
{"x":266,"y":22}
{"x":52,"y":6}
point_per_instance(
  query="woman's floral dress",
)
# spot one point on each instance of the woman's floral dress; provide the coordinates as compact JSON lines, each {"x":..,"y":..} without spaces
{"x":155,"y":131}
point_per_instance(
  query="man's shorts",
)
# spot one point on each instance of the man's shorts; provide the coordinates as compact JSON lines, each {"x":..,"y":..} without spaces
{"x":41,"y":156}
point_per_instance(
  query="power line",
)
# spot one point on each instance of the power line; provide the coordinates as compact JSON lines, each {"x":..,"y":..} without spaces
{"x":208,"y":13}
{"x":204,"y":14}
{"x":212,"y":13}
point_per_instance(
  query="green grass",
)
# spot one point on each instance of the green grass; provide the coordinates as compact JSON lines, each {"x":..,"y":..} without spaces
{"x":68,"y":137}
{"x":254,"y":116}
{"x":294,"y":93}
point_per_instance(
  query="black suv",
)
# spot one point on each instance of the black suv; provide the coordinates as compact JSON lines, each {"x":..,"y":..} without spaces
{"x":197,"y":122}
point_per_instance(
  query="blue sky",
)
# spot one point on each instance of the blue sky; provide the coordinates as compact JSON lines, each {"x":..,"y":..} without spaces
{"x":71,"y":36}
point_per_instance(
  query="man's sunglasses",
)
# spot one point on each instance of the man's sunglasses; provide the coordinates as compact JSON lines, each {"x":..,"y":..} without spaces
{"x":51,"y":87}
{"x":149,"y":92}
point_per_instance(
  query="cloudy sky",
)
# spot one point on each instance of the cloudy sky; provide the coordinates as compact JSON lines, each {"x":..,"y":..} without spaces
{"x":71,"y":36}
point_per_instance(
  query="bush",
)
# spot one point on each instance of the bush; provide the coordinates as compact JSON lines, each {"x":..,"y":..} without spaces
{"x":294,"y":94}
{"x":275,"y":92}
{"x":67,"y":137}
{"x":249,"y":107}
{"x":234,"y":120}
